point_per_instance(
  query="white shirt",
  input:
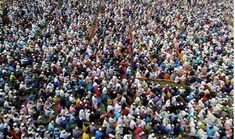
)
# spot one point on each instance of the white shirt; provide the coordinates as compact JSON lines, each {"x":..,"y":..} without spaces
{"x":82,"y":114}
{"x":132,"y":124}
{"x":64,"y":135}
{"x":143,"y":123}
{"x":111,"y":120}
{"x":127,"y":136}
{"x":109,"y":108}
{"x":58,"y":120}
{"x":72,"y":99}
{"x":6,"y":104}
{"x":117,"y":107}
{"x":87,"y":114}
{"x":152,"y":137}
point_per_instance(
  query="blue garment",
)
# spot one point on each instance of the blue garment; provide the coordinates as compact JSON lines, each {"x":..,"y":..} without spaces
{"x":168,"y":128}
{"x":119,"y":89}
{"x":190,"y":97}
{"x":50,"y":56}
{"x":117,"y":115}
{"x":85,"y":54}
{"x":82,"y":83}
{"x":162,"y":65}
{"x":12,"y":69}
{"x":90,"y":87}
{"x":98,"y":101}
{"x":162,"y":128}
{"x":210,"y":131}
{"x":51,"y":127}
{"x":206,"y":103}
{"x":191,"y":115}
{"x":108,"y":130}
{"x":178,"y":64}
{"x":148,"y":119}
{"x":128,"y":73}
{"x":56,"y":84}
{"x":56,"y":132}
{"x":155,"y":65}
{"x":104,"y":61}
{"x":63,"y":123}
{"x":142,"y":56}
{"x":47,"y":113}
{"x":72,"y":118}
{"x":224,"y":137}
{"x":32,"y":97}
{"x":181,"y":128}
{"x":104,"y":97}
{"x":33,"y":85}
{"x":173,"y":117}
{"x":99,"y":134}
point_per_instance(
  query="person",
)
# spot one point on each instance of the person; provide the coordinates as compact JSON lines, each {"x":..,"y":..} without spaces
{"x":85,"y":135}
{"x":64,"y":134}
{"x":99,"y":134}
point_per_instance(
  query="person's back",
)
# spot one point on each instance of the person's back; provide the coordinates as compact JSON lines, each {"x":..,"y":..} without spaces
{"x":98,"y":134}
{"x":76,"y":132}
{"x":85,"y":135}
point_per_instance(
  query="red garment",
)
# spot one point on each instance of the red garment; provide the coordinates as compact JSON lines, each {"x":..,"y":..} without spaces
{"x":21,"y":78}
{"x":84,"y":104}
{"x":204,"y":99}
{"x":15,"y":136}
{"x":206,"y":86}
{"x":125,"y":112}
{"x":143,"y":115}
{"x":222,"y":78}
{"x":59,"y":108}
{"x":138,"y":130}
{"x":138,"y":137}
{"x":3,"y":59}
{"x":97,"y":91}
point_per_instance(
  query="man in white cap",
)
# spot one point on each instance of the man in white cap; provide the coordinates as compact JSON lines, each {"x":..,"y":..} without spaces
{"x":152,"y":136}
{"x":64,"y":134}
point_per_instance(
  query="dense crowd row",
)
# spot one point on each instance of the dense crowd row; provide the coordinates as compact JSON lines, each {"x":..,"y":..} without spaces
{"x":93,"y":69}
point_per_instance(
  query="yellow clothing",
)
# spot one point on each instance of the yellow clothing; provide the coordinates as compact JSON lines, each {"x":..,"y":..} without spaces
{"x":85,"y":136}
{"x":55,"y":99}
{"x":84,"y":128}
{"x":78,"y":101}
{"x":168,"y":94}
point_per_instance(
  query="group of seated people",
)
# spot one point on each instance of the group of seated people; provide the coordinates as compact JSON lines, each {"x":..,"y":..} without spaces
{"x":116,"y":69}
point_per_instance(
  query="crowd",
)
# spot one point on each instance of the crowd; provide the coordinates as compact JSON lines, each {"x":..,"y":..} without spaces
{"x":93,"y":69}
